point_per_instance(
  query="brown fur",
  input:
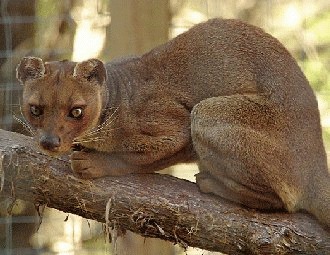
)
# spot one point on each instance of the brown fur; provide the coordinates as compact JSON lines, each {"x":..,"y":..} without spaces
{"x":224,"y":94}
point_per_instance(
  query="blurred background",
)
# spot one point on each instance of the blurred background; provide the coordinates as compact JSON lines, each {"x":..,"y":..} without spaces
{"x":106,"y":29}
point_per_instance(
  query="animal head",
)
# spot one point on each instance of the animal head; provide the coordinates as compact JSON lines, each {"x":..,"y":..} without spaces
{"x":61,"y":99}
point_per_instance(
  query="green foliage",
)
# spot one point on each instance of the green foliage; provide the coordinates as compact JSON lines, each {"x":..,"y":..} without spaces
{"x":316,"y":63}
{"x":316,"y":67}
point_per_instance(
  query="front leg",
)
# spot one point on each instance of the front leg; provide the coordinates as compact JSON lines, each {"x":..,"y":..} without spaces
{"x":95,"y":164}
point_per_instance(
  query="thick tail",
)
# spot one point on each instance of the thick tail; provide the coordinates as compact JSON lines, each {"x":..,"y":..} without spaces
{"x":319,"y":199}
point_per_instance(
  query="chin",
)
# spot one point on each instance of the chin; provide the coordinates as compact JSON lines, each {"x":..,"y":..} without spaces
{"x":59,"y":152}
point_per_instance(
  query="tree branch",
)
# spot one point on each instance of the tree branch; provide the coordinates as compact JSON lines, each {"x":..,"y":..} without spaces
{"x":155,"y":205}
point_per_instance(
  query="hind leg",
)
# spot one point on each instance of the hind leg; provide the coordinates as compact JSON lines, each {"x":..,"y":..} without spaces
{"x":236,"y":192}
{"x":242,"y":156}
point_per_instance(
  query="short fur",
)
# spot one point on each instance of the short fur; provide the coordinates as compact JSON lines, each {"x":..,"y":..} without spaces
{"x":225,"y":94}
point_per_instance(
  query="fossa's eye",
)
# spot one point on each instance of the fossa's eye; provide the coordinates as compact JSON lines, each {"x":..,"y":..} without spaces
{"x":76,"y":113}
{"x":36,"y":111}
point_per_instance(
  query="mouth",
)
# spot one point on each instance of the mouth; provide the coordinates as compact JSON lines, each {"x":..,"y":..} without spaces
{"x":77,"y":147}
{"x":53,"y":151}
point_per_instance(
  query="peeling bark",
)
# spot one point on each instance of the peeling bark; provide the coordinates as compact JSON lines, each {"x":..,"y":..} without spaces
{"x":155,"y":205}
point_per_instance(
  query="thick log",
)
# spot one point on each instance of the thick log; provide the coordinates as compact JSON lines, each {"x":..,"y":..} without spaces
{"x":155,"y":205}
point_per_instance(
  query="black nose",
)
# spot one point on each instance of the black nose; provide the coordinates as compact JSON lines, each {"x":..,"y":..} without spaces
{"x":50,"y":142}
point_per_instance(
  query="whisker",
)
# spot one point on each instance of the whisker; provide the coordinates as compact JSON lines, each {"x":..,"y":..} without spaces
{"x":23,"y":121}
{"x":109,"y":108}
{"x":106,"y":123}
{"x":99,"y":132}
{"x":96,"y":139}
{"x":103,"y":133}
{"x":99,"y":129}
{"x":25,"y":125}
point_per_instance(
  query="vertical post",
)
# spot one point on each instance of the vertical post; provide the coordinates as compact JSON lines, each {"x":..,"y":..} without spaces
{"x":136,"y":27}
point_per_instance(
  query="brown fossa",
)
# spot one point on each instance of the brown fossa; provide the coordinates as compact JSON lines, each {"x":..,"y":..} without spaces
{"x":225,"y":94}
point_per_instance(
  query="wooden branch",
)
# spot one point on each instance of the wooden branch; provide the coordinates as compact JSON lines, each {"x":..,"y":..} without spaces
{"x":155,"y":205}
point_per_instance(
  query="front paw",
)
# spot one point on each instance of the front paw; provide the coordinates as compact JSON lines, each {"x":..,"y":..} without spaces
{"x":88,"y":165}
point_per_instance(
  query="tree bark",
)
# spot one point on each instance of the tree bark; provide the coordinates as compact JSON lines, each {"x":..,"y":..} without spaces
{"x":155,"y":205}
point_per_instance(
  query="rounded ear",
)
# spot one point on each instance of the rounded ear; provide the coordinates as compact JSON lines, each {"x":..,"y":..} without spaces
{"x":30,"y":68}
{"x":92,"y":69}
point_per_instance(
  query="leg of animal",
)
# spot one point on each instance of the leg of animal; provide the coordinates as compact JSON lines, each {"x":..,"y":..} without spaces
{"x":94,"y":164}
{"x":242,"y":152}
